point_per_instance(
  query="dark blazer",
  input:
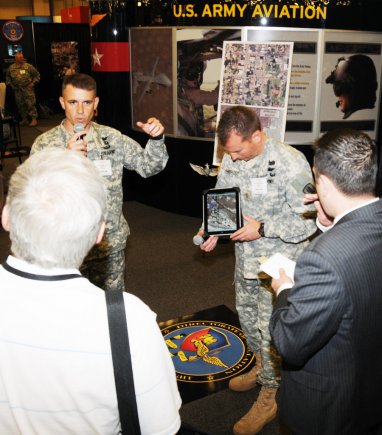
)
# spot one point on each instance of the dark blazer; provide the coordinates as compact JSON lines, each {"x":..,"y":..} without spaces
{"x":328,"y":330}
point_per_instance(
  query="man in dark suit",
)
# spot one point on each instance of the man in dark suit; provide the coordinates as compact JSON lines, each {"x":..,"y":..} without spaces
{"x":327,"y":325}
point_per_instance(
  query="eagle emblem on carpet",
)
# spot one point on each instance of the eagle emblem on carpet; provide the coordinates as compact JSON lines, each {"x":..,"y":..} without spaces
{"x":205,"y":351}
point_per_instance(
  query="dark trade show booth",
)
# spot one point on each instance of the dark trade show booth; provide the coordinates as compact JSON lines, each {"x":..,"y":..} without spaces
{"x":306,"y":66}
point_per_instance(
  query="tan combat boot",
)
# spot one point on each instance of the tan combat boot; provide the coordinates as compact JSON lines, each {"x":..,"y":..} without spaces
{"x":262,"y":412}
{"x":247,"y":381}
{"x":33,"y":123}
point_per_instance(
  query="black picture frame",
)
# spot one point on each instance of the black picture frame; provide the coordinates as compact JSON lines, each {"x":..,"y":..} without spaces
{"x":222,"y":211}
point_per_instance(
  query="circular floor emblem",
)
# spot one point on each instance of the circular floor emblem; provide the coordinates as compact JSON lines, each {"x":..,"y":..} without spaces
{"x":207,"y":351}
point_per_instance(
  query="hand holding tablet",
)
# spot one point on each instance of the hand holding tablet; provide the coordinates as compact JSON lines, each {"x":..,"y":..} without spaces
{"x":222,"y":211}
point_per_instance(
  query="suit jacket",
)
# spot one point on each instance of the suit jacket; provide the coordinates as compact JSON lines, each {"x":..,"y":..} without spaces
{"x":328,"y":330}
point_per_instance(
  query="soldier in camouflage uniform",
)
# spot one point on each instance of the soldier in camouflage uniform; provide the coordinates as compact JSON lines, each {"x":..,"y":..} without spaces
{"x":271,"y":177}
{"x":110,"y":152}
{"x":22,"y":77}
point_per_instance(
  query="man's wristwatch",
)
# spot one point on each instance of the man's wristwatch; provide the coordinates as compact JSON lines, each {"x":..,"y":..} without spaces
{"x":261,"y":229}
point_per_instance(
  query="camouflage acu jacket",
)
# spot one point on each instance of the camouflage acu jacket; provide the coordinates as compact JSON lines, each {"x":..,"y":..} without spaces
{"x":20,"y":76}
{"x":107,"y":143}
{"x":271,"y":187}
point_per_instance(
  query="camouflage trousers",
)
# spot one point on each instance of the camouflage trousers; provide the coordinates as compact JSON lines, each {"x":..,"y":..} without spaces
{"x":26,"y":103}
{"x":254,"y":304}
{"x":107,"y":272}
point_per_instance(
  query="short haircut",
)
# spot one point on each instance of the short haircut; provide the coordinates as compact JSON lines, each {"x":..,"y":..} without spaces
{"x":57,"y":203}
{"x":80,"y":81}
{"x":349,"y":158}
{"x":240,"y":120}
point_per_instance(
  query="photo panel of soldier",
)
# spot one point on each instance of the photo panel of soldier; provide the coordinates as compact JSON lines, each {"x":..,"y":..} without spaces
{"x":199,"y":53}
{"x":152,"y":81}
{"x":351,"y":78}
{"x":64,"y":58}
{"x":302,"y":117}
{"x":257,"y":75}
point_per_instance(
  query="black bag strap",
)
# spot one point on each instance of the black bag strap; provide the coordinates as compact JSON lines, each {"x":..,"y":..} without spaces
{"x":123,"y":371}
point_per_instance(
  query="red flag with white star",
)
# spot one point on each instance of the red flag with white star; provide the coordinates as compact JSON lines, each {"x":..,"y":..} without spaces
{"x":110,"y":56}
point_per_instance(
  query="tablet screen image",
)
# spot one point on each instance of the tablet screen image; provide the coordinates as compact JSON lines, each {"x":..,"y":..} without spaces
{"x":221,"y":211}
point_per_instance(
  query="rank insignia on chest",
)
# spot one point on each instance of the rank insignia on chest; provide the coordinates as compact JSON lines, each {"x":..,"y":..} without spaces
{"x":106,"y":144}
{"x":271,"y":168}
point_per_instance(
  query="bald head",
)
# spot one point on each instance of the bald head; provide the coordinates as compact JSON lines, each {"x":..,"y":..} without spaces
{"x":19,"y":58}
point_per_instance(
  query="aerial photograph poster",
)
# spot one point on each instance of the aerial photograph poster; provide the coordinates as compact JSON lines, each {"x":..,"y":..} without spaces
{"x":257,"y":75}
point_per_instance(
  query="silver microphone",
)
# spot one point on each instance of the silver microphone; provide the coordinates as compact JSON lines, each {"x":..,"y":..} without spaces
{"x":77,"y":128}
{"x":198,"y":240}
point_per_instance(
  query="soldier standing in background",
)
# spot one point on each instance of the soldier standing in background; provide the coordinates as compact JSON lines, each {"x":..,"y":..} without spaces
{"x":22,"y":77}
{"x":271,"y":177}
{"x":110,"y":151}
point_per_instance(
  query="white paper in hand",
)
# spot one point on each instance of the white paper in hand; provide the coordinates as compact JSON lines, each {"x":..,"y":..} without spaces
{"x":276,"y":262}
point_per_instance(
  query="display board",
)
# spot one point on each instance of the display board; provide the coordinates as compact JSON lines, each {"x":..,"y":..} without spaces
{"x":65,"y":60}
{"x":350,"y":81}
{"x":153,"y":79}
{"x":199,"y":60}
{"x":180,"y":85}
{"x":257,"y":75}
{"x":302,"y":123}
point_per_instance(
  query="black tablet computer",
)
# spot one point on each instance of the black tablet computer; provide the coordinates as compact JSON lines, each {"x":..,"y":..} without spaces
{"x":221,"y":211}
